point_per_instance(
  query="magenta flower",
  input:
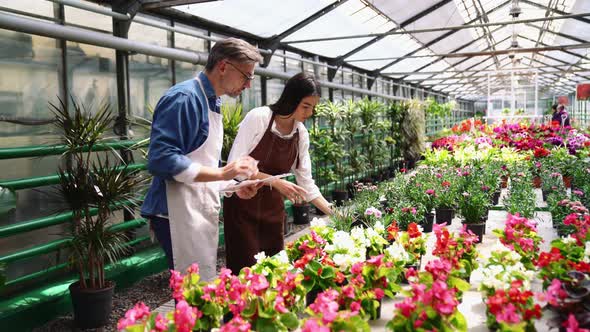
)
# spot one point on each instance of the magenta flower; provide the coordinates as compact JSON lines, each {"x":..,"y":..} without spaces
{"x":572,"y":325}
{"x":133,"y":315}
{"x":176,"y":280}
{"x":185,"y":316}
{"x":429,"y":191}
{"x":311,"y":325}
{"x":161,"y":324}
{"x":508,"y":315}
{"x":237,"y":324}
{"x":280,"y":305}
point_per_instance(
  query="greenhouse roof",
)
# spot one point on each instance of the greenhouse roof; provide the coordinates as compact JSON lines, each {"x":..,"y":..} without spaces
{"x":387,"y":37}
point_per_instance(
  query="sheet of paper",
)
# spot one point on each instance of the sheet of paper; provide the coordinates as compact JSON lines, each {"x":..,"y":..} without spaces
{"x":234,"y":187}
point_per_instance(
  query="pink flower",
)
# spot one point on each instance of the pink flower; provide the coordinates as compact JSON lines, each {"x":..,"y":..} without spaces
{"x":133,"y":315}
{"x":555,"y":293}
{"x":194,"y":268}
{"x":355,"y":306}
{"x":508,"y":315}
{"x":176,"y":280}
{"x":376,"y":260}
{"x":406,"y":307}
{"x":185,"y":316}
{"x":373,"y":212}
{"x":429,"y":191}
{"x":237,"y":324}
{"x":280,"y":305}
{"x":312,"y":325}
{"x":161,"y":324}
{"x":357,"y":268}
{"x":379,"y":293}
{"x":572,"y":325}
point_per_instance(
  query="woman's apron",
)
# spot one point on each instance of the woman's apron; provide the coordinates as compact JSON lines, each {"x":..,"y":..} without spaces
{"x":193,"y":209}
{"x":255,"y":225}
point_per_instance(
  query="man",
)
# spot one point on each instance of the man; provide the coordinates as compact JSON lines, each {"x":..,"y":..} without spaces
{"x":183,"y":202}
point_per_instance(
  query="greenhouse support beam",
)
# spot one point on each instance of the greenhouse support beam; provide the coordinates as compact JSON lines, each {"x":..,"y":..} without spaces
{"x":437,"y":29}
{"x":21,"y":24}
{"x":563,"y":48}
{"x":40,"y":181}
{"x":56,"y":219}
{"x":50,"y":150}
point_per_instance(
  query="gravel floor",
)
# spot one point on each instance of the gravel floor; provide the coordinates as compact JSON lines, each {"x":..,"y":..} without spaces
{"x":152,"y":290}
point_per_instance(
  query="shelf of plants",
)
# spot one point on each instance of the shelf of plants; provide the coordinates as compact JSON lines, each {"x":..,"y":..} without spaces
{"x":381,"y":263}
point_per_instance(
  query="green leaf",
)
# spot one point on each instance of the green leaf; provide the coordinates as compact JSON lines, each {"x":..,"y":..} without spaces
{"x":266,"y":325}
{"x":328,"y":273}
{"x":290,"y":320}
{"x":7,"y":200}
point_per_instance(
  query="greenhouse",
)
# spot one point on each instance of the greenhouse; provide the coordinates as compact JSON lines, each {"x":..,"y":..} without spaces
{"x":295,"y":165}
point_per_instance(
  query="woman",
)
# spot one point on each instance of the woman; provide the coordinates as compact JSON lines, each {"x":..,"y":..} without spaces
{"x":275,"y":136}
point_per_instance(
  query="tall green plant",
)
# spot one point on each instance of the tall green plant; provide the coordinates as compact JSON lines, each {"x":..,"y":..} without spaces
{"x":412,"y":131}
{"x":232,"y":116}
{"x":90,"y":181}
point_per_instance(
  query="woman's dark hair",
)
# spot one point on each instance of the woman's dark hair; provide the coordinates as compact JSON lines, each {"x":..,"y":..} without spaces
{"x":554,"y":107}
{"x":297,"y":87}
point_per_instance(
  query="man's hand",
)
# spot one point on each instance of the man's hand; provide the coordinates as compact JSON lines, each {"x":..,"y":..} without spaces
{"x":244,"y":168}
{"x":250,"y":191}
{"x":293,"y":192}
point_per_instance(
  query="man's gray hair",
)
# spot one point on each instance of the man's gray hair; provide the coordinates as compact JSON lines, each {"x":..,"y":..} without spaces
{"x":233,"y":49}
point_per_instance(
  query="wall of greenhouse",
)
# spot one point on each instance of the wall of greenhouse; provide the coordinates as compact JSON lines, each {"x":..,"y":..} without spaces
{"x":38,"y":70}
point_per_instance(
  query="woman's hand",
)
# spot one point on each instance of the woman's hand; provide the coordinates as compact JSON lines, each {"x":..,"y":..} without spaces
{"x":293,"y":192}
{"x":249,"y":191}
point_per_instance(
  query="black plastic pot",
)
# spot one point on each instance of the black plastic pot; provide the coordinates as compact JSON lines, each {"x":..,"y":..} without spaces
{"x":92,"y":307}
{"x":428,"y":221}
{"x":444,"y":216}
{"x":339,"y":197}
{"x":301,"y":214}
{"x":311,"y":296}
{"x":496,"y":197}
{"x":477,"y":229}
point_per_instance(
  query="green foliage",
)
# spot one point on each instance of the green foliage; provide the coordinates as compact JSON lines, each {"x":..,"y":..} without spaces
{"x":232,"y":116}
{"x":88,"y":181}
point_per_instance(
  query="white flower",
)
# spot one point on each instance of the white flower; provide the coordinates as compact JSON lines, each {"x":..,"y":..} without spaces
{"x":587,"y":252}
{"x":397,"y":252}
{"x":318,"y":222}
{"x":260,"y":256}
{"x":282,"y":257}
{"x":569,"y":240}
{"x":379,"y":228}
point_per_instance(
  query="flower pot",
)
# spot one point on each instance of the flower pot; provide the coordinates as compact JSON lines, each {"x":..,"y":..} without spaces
{"x":496,"y":197}
{"x":567,"y":181}
{"x":477,"y":229}
{"x":428,"y":221}
{"x":339,"y":197}
{"x":444,"y":215}
{"x":537,"y":182}
{"x":351,"y":190}
{"x":301,"y":214}
{"x":92,"y":307}
{"x":311,"y":296}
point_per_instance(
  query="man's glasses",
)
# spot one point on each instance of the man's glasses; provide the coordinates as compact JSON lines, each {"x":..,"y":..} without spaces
{"x":246,"y":76}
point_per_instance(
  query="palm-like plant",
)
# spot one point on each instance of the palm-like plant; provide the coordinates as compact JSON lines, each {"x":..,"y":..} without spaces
{"x":412,"y":131}
{"x":91,"y":181}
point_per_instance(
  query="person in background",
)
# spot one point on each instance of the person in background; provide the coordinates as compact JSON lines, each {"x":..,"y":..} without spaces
{"x":554,"y":114}
{"x":275,"y":136}
{"x":182,"y":203}
{"x":564,"y":118}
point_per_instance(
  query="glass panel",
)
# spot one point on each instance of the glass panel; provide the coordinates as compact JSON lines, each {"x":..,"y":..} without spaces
{"x":252,"y":97}
{"x":263,"y":17}
{"x":44,"y":8}
{"x":149,"y":76}
{"x":88,"y":19}
{"x":91,"y":74}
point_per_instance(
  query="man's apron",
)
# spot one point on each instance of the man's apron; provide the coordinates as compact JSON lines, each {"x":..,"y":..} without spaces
{"x":193,"y":209}
{"x":256,"y":224}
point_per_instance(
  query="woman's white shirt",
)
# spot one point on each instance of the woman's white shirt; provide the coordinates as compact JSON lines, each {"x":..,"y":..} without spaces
{"x":252,"y":129}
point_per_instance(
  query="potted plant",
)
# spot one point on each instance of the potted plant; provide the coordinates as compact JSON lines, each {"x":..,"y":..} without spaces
{"x":446,"y":198}
{"x":513,"y":309}
{"x":325,"y":315}
{"x":412,"y":131}
{"x":86,"y":182}
{"x":232,"y":116}
{"x":474,"y":206}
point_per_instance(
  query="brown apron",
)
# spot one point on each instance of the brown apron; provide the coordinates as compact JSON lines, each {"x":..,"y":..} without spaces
{"x":256,"y":224}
